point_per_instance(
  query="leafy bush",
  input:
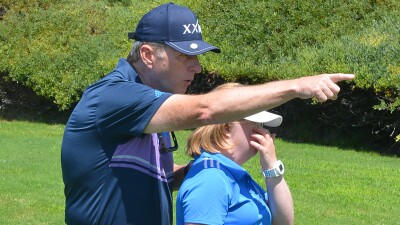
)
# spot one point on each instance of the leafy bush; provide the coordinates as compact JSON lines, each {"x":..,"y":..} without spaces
{"x":271,"y":40}
{"x":58,"y":48}
{"x":264,"y":37}
{"x":62,"y":48}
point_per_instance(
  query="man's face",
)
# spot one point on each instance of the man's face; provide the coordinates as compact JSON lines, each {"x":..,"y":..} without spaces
{"x":176,"y":71}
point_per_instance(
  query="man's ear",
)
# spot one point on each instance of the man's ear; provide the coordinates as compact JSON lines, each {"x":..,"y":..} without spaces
{"x":147,"y":54}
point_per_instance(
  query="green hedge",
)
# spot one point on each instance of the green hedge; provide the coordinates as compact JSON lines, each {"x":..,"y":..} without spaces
{"x":58,"y":48}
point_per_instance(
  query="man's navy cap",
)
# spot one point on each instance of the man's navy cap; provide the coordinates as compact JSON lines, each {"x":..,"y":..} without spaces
{"x":176,"y":26}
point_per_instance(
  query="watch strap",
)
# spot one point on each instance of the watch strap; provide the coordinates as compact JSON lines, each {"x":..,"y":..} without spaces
{"x":275,"y":171}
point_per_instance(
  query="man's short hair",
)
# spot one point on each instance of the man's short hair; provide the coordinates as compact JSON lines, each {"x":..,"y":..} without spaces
{"x":134,"y":54}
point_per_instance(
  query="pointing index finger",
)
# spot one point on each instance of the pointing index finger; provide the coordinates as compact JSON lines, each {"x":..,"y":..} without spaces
{"x":336,"y":77}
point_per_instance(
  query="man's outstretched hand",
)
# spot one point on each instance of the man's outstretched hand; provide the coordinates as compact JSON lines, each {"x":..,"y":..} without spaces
{"x":322,"y":87}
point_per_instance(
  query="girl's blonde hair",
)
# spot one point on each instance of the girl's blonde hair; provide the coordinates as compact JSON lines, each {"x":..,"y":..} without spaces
{"x":211,"y":138}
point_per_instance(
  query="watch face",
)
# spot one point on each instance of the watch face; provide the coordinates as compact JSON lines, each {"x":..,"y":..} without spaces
{"x":281,"y":167}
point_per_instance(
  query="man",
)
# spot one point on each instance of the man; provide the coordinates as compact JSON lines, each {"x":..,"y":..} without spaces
{"x":116,"y":153}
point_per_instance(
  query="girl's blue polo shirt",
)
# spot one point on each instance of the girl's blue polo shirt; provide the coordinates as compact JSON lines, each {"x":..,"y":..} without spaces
{"x":216,"y":190}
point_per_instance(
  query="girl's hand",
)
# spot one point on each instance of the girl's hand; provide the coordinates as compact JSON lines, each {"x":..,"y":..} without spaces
{"x":264,"y":144}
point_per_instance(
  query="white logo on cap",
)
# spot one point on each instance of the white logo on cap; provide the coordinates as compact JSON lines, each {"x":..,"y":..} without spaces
{"x":193,"y":46}
{"x":192,"y":28}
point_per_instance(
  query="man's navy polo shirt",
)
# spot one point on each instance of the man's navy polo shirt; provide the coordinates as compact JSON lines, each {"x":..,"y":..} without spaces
{"x":113,"y":172}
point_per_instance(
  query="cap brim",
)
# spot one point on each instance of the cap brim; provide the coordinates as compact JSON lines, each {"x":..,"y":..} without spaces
{"x":194,"y":47}
{"x":267,"y":118}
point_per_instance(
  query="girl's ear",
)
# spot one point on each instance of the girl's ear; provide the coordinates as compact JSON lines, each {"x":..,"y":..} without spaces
{"x":227,"y":129}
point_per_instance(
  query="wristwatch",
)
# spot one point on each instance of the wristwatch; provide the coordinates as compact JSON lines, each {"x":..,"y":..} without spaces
{"x":276,"y":171}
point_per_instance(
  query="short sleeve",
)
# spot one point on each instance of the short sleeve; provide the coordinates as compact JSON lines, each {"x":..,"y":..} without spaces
{"x":126,"y":107}
{"x":205,"y":198}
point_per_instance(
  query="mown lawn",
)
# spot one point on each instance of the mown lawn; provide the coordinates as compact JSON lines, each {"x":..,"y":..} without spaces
{"x":329,"y":185}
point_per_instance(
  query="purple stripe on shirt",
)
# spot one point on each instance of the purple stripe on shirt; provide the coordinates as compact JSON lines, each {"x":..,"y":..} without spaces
{"x":143,"y":154}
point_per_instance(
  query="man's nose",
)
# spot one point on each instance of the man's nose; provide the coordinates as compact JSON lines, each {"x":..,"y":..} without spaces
{"x":195,"y":66}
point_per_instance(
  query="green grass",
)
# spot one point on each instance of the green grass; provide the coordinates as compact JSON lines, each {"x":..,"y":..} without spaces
{"x":329,"y":185}
{"x":31,"y":188}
